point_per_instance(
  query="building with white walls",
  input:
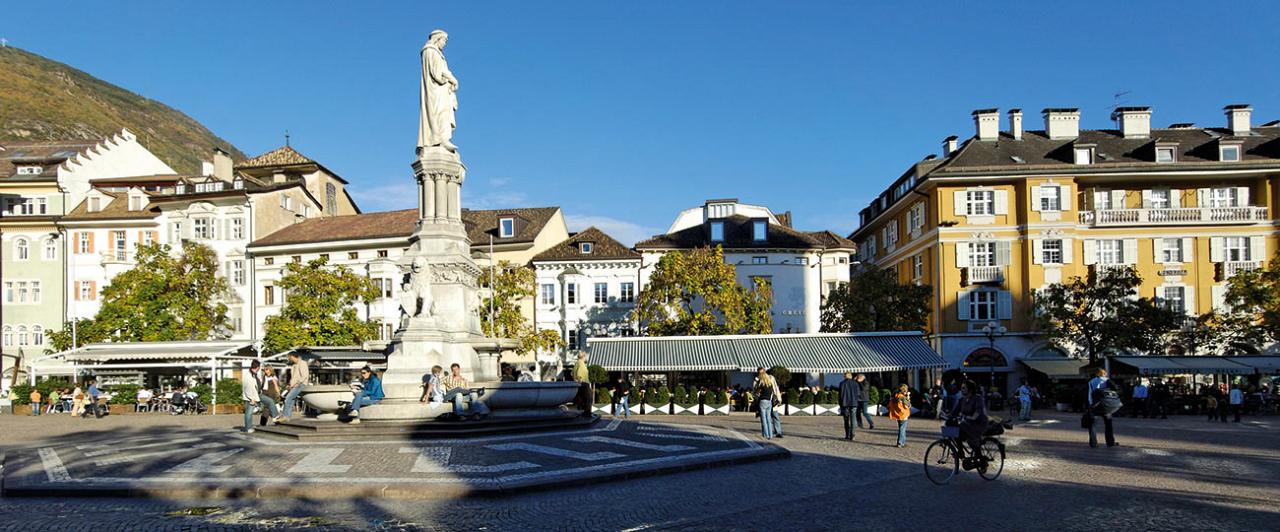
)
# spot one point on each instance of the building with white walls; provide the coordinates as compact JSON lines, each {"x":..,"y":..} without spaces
{"x":586,"y":288}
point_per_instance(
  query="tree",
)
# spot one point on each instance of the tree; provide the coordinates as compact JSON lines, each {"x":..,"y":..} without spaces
{"x":1103,"y":315}
{"x":320,"y":308}
{"x":508,"y":285}
{"x":1249,"y":317}
{"x":874,"y":300}
{"x":162,"y":298}
{"x":695,"y":292}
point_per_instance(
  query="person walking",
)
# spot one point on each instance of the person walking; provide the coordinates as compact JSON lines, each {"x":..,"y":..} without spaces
{"x":1024,"y":399}
{"x":622,"y":392}
{"x":36,"y":403}
{"x":864,"y":400}
{"x":1237,"y":402}
{"x":93,"y":400}
{"x":767,"y":389}
{"x":1140,"y":394}
{"x":370,"y":394}
{"x":1211,"y":405}
{"x":1158,"y":399}
{"x":848,"y":403}
{"x":581,"y":375}
{"x":299,"y":376}
{"x":77,"y":402}
{"x":252,"y":396}
{"x":1104,"y":403}
{"x":900,"y":411}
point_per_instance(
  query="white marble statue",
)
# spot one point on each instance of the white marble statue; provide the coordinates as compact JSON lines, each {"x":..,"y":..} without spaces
{"x":438,"y":96}
{"x":415,"y":290}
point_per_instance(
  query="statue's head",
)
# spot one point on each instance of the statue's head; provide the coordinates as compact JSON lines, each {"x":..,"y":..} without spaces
{"x":438,"y":38}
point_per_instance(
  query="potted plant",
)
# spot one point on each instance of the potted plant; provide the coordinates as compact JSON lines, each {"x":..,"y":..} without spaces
{"x":657,"y":401}
{"x":635,"y":401}
{"x":715,"y":403}
{"x":802,"y":405}
{"x":603,"y":403}
{"x":123,"y":398}
{"x":828,"y":403}
{"x":685,"y":403}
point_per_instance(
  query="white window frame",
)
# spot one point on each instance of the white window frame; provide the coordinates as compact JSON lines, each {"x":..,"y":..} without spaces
{"x":982,"y":249}
{"x":571,"y":293}
{"x":1172,"y":253}
{"x":985,"y":300}
{"x":1104,"y":251}
{"x":506,"y":227}
{"x":600,"y":292}
{"x":50,"y":249}
{"x":1048,"y":253}
{"x":1222,"y":197}
{"x":1237,"y":149}
{"x":202,"y":228}
{"x":1083,"y":156}
{"x":585,"y":248}
{"x":21,"y":249}
{"x":1051,"y":198}
{"x":1181,"y":298}
{"x":917,"y":266}
{"x":82,"y":244}
{"x":236,"y":273}
{"x":1161,"y":198}
{"x":237,"y":228}
{"x":1171,"y":152}
{"x":627,"y":292}
{"x":760,"y":260}
{"x":1235,"y":249}
{"x":977,"y":201}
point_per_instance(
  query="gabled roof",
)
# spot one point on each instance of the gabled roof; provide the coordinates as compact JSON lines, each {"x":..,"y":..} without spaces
{"x":389,"y":224}
{"x":282,"y":156}
{"x":603,"y":247}
{"x":528,"y":224}
{"x":45,"y":153}
{"x":737,"y":235}
{"x":831,"y":240}
{"x":117,"y":209}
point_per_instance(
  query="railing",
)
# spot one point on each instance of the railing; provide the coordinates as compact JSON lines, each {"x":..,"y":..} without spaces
{"x":1103,"y":268}
{"x":986,"y":274}
{"x":115,"y":256}
{"x":1232,"y":268}
{"x":1178,"y":216}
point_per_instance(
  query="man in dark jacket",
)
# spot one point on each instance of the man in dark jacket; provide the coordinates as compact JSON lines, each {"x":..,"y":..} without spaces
{"x":848,"y":402}
{"x":864,"y":399}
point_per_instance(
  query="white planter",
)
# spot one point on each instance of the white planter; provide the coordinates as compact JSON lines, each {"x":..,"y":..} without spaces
{"x":722,"y":410}
{"x":656,"y":410}
{"x":796,"y":410}
{"x":602,"y":409}
{"x":684,"y":410}
{"x":877,"y":410}
{"x":634,"y":409}
{"x":827,"y":410}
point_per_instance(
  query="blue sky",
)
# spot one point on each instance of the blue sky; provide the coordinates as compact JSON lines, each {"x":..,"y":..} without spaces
{"x":624,"y":114}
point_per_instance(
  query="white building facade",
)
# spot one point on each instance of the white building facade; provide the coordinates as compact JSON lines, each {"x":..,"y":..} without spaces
{"x":586,"y":288}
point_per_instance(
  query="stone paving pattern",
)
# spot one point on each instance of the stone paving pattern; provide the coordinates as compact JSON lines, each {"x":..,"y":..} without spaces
{"x":1177,"y":474}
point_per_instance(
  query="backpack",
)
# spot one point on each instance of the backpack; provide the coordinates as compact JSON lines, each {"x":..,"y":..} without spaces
{"x":1107,"y":401}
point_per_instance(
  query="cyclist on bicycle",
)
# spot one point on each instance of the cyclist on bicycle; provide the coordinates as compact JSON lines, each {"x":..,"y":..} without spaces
{"x":973,"y":415}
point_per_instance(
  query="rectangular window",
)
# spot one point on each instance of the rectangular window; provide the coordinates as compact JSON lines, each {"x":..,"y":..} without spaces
{"x":982,"y":254}
{"x":148,"y":238}
{"x":891,"y":233}
{"x":627,"y":293}
{"x":759,"y":230}
{"x":717,"y":231}
{"x":35,"y":291}
{"x":572,"y":339}
{"x":1084,"y":155}
{"x":1102,"y":200}
{"x":917,"y":267}
{"x":1160,"y":198}
{"x":1223,"y":197}
{"x":22,"y":292}
{"x":237,"y":228}
{"x":1172,"y":250}
{"x":175,"y":233}
{"x":1051,"y":251}
{"x":382,"y":253}
{"x":353,"y":255}
{"x":50,"y":249}
{"x":506,"y":227}
{"x":802,"y":261}
{"x":1051,"y":198}
{"x":571,"y":293}
{"x":119,"y":243}
{"x":331,"y":199}
{"x":1236,"y":248}
{"x":237,"y":272}
{"x":42,"y":206}
{"x":915,"y":218}
{"x":268,"y":261}
{"x":982,"y":305}
{"x":981,"y":202}
{"x":1164,"y":155}
{"x":548,"y":294}
{"x":268,"y":295}
{"x":8,"y":292}
{"x":1110,"y":252}
{"x":297,"y":259}
{"x":84,"y":243}
{"x":585,"y":248}
{"x":201,"y":229}
{"x":86,"y":291}
{"x":135,"y":203}
{"x":602,"y":292}
{"x":1230,"y":153}
{"x":1174,"y":298}
{"x":759,"y":260}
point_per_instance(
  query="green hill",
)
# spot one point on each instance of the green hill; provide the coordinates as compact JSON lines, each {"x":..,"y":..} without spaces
{"x":46,"y":100}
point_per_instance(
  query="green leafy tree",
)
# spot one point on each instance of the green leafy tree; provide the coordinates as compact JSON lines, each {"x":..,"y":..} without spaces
{"x":508,"y":285}
{"x":162,"y":298}
{"x":874,"y":300}
{"x":320,"y":309}
{"x":1102,"y":315}
{"x":597,"y":374}
{"x":782,"y":375}
{"x":692,"y":293}
{"x":1249,"y":319}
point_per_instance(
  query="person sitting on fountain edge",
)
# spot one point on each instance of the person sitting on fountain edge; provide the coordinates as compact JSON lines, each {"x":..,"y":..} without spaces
{"x":457,"y":389}
{"x":371,"y":394}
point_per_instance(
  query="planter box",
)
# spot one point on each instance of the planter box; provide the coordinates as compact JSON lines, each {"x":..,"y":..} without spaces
{"x":709,"y":410}
{"x":1062,"y":407}
{"x":691,"y":410}
{"x":229,"y":409}
{"x":827,"y":410}
{"x":602,"y":409}
{"x":635,"y":409}
{"x":797,"y":410}
{"x":877,"y":410}
{"x":657,"y":410}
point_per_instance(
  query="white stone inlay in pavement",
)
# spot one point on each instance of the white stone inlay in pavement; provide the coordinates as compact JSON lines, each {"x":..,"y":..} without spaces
{"x":555,"y":451}
{"x":318,"y":460}
{"x":680,"y":436}
{"x":53,"y":466}
{"x":207,"y":463}
{"x":1022,"y":465}
{"x":635,"y":444}
{"x":124,"y":459}
{"x":437,"y":460}
{"x":114,"y":450}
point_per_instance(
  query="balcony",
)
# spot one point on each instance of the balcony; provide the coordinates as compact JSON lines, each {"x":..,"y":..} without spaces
{"x":1178,"y":216}
{"x":984,"y":274}
{"x":115,"y":257}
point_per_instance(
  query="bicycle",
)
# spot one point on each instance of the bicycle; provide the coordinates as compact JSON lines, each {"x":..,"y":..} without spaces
{"x":944,"y":457}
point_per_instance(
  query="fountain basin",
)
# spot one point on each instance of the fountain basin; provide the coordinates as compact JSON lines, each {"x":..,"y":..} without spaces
{"x":325,"y":397}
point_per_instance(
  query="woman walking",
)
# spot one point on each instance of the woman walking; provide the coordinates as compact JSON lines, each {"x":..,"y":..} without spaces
{"x":900,"y":411}
{"x":767,"y":390}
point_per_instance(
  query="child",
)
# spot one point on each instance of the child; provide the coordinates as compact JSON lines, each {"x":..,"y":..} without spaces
{"x":1211,"y":405}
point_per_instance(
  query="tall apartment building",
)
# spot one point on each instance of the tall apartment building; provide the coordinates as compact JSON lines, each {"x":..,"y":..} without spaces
{"x":1009,"y":211}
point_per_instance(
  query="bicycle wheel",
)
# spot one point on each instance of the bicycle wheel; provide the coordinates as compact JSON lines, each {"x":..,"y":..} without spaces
{"x":940,"y":462}
{"x":993,"y":453}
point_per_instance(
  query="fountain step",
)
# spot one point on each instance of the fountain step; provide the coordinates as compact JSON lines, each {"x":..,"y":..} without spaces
{"x":321,"y":431}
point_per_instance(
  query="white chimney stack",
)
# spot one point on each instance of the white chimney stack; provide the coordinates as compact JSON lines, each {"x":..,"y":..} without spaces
{"x":206,"y":168}
{"x":948,"y":146}
{"x":222,"y":166}
{"x":1238,"y":116}
{"x":1135,"y":122}
{"x":1061,"y":123}
{"x":1015,"y":124}
{"x":987,"y":123}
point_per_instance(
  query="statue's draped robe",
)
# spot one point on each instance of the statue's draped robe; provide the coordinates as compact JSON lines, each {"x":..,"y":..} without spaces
{"x":438,"y":101}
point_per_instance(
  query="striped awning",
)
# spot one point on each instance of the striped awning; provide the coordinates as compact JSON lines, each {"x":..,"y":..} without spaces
{"x":200,"y":352}
{"x":810,"y":353}
{"x":1184,"y":365}
{"x":1265,"y":365}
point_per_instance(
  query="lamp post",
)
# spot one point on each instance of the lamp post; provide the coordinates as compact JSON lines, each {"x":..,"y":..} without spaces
{"x":992,"y":330}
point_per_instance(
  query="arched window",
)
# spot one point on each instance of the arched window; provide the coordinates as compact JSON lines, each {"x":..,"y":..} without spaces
{"x":22,"y":335}
{"x":8,"y":335}
{"x":50,"y":249}
{"x":985,"y":357}
{"x":37,"y":335}
{"x":21,"y":249}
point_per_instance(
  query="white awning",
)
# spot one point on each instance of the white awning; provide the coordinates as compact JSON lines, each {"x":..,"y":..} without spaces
{"x":153,"y":352}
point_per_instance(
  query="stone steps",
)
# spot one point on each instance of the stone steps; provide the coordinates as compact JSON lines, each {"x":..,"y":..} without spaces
{"x":326,"y":431}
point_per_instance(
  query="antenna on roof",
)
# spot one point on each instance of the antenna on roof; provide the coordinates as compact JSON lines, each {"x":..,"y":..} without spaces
{"x":286,"y":138}
{"x":1117,"y":102}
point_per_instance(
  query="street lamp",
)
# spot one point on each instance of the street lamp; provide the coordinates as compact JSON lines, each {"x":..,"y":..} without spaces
{"x":992,"y":330}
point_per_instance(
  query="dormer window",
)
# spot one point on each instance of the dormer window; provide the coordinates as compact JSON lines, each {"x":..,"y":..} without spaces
{"x":95,"y":204}
{"x":759,"y":230}
{"x":717,"y":231}
{"x":585,"y":248}
{"x":238,"y":184}
{"x":30,"y":170}
{"x":1166,"y":154}
{"x":180,"y":189}
{"x":135,"y":203}
{"x":1084,"y":154}
{"x":1229,"y":152}
{"x":506,"y":227}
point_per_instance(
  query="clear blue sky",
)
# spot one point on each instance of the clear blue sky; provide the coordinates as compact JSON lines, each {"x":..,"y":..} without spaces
{"x":626,"y":113}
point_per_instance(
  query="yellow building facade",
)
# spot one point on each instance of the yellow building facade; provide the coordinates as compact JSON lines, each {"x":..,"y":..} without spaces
{"x":1010,"y":211}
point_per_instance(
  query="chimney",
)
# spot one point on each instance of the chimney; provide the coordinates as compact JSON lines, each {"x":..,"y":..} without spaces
{"x":1061,"y":123}
{"x":1238,"y":116}
{"x":948,"y":146}
{"x":1015,"y":123}
{"x":1135,"y":122}
{"x":987,"y":123}
{"x":206,"y":168}
{"x":221,"y":165}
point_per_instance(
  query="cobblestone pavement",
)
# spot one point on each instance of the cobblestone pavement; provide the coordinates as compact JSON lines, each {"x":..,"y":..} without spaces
{"x":1182,"y":473}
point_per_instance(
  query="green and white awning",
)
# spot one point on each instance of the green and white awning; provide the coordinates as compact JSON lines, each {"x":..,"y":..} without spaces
{"x":1184,"y":365}
{"x":815,"y":353}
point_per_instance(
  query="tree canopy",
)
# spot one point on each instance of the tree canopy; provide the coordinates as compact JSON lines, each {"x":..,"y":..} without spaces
{"x":874,"y":300}
{"x":508,"y":285}
{"x":1249,"y":317}
{"x":1103,"y":315}
{"x":695,"y":292}
{"x":319,"y":309}
{"x":162,"y":298}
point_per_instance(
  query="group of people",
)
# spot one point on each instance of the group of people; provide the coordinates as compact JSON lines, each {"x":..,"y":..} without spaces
{"x":263,"y":388}
{"x":439,"y":389}
{"x":77,"y":402}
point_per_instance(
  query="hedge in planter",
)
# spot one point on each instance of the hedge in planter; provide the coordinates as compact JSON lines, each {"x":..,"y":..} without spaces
{"x":715,"y":404}
{"x":802,"y":405}
{"x":828,"y":403}
{"x":685,"y":403}
{"x":603,"y":402}
{"x":657,"y":401}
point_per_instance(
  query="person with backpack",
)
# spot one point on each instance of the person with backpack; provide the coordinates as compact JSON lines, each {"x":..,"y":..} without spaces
{"x":1104,"y":401}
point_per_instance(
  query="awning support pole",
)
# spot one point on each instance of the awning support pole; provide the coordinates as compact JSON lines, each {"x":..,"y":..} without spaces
{"x":213,"y":375}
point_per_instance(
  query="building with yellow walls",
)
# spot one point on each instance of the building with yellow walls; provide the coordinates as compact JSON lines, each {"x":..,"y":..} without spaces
{"x":1008,"y":211}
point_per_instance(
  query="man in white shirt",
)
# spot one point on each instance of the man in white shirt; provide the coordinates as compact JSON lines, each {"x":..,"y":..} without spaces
{"x":1140,"y":393}
{"x":1237,"y":402}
